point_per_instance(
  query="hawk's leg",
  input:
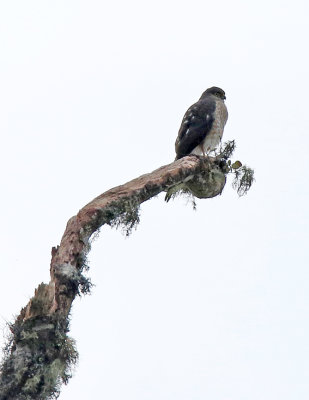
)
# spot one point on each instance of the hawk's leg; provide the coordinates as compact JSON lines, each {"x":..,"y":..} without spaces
{"x":208,"y":151}
{"x":203,"y":150}
{"x":211,"y":152}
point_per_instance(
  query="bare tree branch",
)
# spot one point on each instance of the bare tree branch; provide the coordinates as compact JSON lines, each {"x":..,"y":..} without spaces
{"x":40,"y":355}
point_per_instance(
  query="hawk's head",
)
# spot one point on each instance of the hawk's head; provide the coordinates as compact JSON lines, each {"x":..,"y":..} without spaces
{"x":214,"y":91}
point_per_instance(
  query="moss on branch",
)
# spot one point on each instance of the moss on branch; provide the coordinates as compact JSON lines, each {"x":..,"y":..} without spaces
{"x":39,"y":356}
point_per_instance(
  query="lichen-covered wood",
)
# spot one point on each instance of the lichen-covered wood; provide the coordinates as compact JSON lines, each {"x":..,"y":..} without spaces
{"x":39,"y":354}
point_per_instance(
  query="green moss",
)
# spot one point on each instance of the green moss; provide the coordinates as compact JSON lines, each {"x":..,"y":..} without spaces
{"x":126,"y":216}
{"x":39,"y":359}
{"x":32,"y":384}
{"x":243,"y":179}
{"x":28,"y":335}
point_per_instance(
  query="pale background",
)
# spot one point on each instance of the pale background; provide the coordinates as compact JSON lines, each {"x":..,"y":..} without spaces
{"x":211,"y":304}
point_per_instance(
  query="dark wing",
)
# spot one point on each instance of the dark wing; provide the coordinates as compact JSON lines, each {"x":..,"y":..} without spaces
{"x":195,"y":125}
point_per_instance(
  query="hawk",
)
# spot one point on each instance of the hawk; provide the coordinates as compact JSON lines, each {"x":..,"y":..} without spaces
{"x":202,"y":126}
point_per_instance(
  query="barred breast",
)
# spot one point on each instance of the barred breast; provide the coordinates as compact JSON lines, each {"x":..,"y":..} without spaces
{"x":214,"y":136}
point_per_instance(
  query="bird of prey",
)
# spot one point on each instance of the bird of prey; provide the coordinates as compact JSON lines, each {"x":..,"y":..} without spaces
{"x":202,"y":126}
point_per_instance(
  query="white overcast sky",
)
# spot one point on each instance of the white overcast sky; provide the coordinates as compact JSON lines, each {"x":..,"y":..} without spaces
{"x":212,"y":304}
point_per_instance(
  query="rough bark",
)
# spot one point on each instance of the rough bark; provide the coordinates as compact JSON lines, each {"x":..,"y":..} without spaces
{"x":39,"y":354}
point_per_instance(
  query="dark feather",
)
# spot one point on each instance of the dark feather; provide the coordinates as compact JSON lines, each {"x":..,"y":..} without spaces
{"x":195,"y":126}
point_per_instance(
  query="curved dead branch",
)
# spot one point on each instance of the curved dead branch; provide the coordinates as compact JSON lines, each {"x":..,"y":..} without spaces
{"x":40,"y":355}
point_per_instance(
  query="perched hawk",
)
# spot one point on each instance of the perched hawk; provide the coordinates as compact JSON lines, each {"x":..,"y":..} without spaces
{"x":202,"y":126}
